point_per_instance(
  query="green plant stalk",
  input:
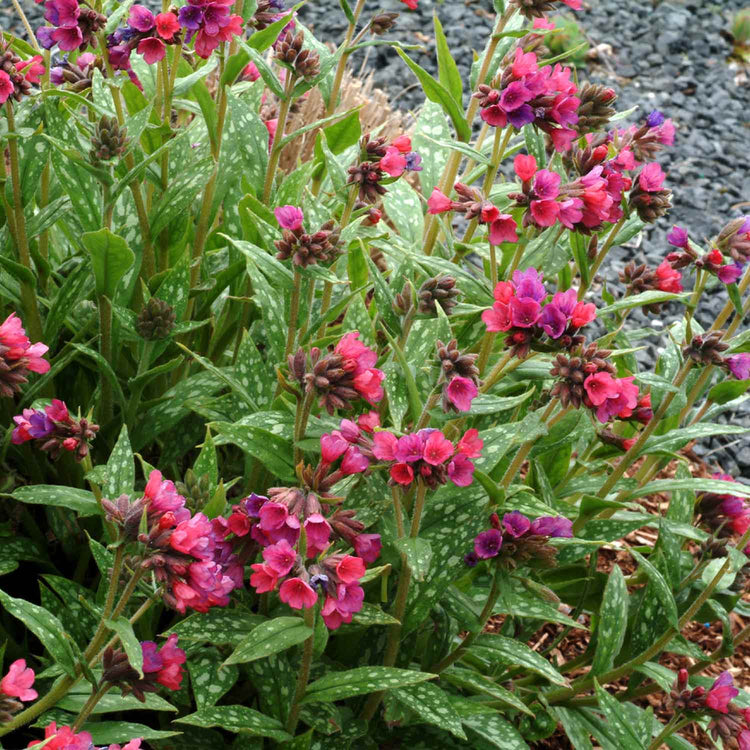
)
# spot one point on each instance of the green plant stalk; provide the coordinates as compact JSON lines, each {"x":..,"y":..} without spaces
{"x":600,"y":256}
{"x":32,"y":319}
{"x":87,"y":466}
{"x":105,"y":349}
{"x":674,"y":725}
{"x":518,"y":255}
{"x":135,"y":397}
{"x":488,"y":341}
{"x":471,"y":636}
{"x":430,"y":404}
{"x":496,"y":372}
{"x":89,"y":706}
{"x":303,"y":414}
{"x":29,"y":31}
{"x":470,"y":164}
{"x":498,"y":150}
{"x":309,"y":300}
{"x":586,"y":683}
{"x":399,"y":608}
{"x":304,"y":673}
{"x":276,"y":149}
{"x":432,"y":226}
{"x":293,"y":313}
{"x":341,"y":66}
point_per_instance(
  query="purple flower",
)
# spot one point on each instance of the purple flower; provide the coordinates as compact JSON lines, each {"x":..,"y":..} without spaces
{"x":190,"y":16}
{"x":678,"y":237}
{"x":552,"y":526}
{"x":553,"y":320}
{"x":524,"y":312}
{"x":253,"y":503}
{"x":566,"y":301}
{"x":215,"y":17}
{"x":409,"y":448}
{"x":528,"y":283}
{"x":413,"y":162}
{"x":546,"y":185}
{"x":278,"y":5}
{"x":471,"y":559}
{"x":745,"y":226}
{"x":655,"y":119}
{"x":56,"y":75}
{"x":488,"y":543}
{"x":44,"y":36}
{"x":730,"y":273}
{"x":119,"y":56}
{"x":516,"y":523}
{"x":515,"y":95}
{"x":739,"y":366}
{"x":289,"y":217}
{"x":62,"y":12}
{"x":141,"y":18}
{"x":68,"y":38}
{"x":524,"y":115}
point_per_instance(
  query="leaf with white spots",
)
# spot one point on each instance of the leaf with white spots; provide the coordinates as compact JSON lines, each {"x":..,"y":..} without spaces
{"x":619,"y":726}
{"x":270,"y":637}
{"x":495,"y":731}
{"x":81,"y":501}
{"x":217,"y":626}
{"x":107,"y":732}
{"x":404,"y":208}
{"x":498,"y":648}
{"x":120,"y":468}
{"x":613,"y":621}
{"x":480,"y":685}
{"x":432,"y":705}
{"x":418,"y":555}
{"x":123,"y":628}
{"x":237,"y":719}
{"x":275,"y":679}
{"x":207,"y":462}
{"x":253,"y":372}
{"x":274,"y":452}
{"x":657,"y":580}
{"x":371,"y":614}
{"x":112,"y":702}
{"x":209,"y":679}
{"x":271,"y":305}
{"x":13,"y":551}
{"x":338,"y":685}
{"x":46,"y":627}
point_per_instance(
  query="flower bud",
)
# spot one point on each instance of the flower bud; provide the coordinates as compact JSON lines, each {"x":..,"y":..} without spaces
{"x":156,"y":320}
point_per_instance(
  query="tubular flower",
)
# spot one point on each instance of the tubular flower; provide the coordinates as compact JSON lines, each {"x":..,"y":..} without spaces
{"x":210,"y":22}
{"x":72,"y":26}
{"x":18,"y":356}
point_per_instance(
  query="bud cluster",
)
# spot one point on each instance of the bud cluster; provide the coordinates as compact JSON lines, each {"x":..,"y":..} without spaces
{"x":304,"y":62}
{"x":108,"y":141}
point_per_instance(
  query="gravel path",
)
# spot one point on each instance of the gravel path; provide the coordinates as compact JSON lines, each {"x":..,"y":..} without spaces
{"x":668,"y":56}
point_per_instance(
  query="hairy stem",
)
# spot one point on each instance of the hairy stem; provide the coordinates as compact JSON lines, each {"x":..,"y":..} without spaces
{"x":304,"y":673}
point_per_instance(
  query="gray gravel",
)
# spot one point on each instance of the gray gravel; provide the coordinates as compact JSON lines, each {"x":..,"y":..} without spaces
{"x":670,"y":57}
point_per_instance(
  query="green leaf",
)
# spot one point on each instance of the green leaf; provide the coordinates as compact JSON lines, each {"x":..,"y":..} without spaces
{"x":734,"y":295}
{"x":338,"y":685}
{"x":129,"y":641}
{"x":432,"y":705}
{"x":430,"y":131}
{"x":696,"y":484}
{"x":535,"y":144}
{"x":726,"y":391}
{"x":263,"y":39}
{"x":120,"y":469}
{"x":207,"y":462}
{"x":217,"y":626}
{"x":575,"y":728}
{"x":405,"y":210}
{"x":514,"y":653}
{"x":104,"y":368}
{"x":619,"y":726}
{"x":209,"y":679}
{"x":371,"y":614}
{"x":481,"y":685}
{"x":108,"y":732}
{"x":613,"y":622}
{"x":638,"y":300}
{"x":46,"y":627}
{"x":495,"y":731}
{"x":237,"y":719}
{"x":81,"y":501}
{"x":111,"y":259}
{"x":271,"y":450}
{"x":447,"y":69}
{"x":270,"y":637}
{"x":663,"y":589}
{"x":437,"y":93}
{"x":418,"y":555}
{"x":344,"y":133}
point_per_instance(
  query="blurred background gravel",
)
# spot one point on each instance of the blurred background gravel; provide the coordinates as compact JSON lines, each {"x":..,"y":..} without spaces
{"x":670,"y":56}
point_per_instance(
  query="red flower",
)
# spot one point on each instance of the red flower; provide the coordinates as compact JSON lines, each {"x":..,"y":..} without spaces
{"x":152,"y":49}
{"x":437,"y":449}
{"x":439,"y":203}
{"x":297,"y":594}
{"x":167,"y":25}
{"x":461,"y":392}
{"x":410,"y":4}
{"x":525,"y":166}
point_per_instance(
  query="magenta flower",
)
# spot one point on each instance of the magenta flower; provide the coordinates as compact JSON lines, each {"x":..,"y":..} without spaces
{"x":152,"y":48}
{"x":439,"y":203}
{"x":488,"y":544}
{"x":529,"y":283}
{"x":68,"y":38}
{"x":62,"y":13}
{"x":461,"y":470}
{"x":6,"y":87}
{"x":410,"y":448}
{"x":545,"y":212}
{"x":470,"y":445}
{"x":546,"y":184}
{"x":651,"y":178}
{"x":289,"y":217}
{"x":354,"y":462}
{"x":19,"y":681}
{"x":368,"y":546}
{"x":678,"y":237}
{"x":164,"y":665}
{"x":385,"y":445}
{"x":297,"y":594}
{"x":332,"y":447}
{"x":600,"y":387}
{"x":739,"y":365}
{"x":516,"y":523}
{"x":524,"y":63}
{"x":461,"y":392}
{"x":194,"y":537}
{"x":524,"y":312}
{"x":553,"y":321}
{"x":557,"y":526}
{"x":280,"y":557}
{"x":503,"y":229}
{"x":721,"y":693}
{"x":263,"y":579}
{"x":141,"y":18}
{"x":729,"y":273}
{"x":393,"y":163}
{"x":437,"y":449}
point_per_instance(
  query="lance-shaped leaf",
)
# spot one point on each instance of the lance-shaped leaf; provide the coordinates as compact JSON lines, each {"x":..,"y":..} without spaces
{"x":338,"y":685}
{"x":269,"y":638}
{"x":111,"y":259}
{"x":237,"y":719}
{"x":613,"y":621}
{"x":514,"y":653}
{"x":432,"y":705}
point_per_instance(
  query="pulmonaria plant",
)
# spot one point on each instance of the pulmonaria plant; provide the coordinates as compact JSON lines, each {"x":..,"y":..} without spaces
{"x":378,"y":367}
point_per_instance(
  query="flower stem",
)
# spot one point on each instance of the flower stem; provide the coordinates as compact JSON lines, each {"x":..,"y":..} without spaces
{"x":600,"y":256}
{"x":27,"y":26}
{"x":276,"y":149}
{"x":304,"y":673}
{"x":674,"y":725}
{"x":89,"y":706}
{"x":293,"y":313}
{"x":105,"y":349}
{"x":301,"y":423}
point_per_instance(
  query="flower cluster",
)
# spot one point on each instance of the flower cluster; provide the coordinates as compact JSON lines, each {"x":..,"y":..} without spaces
{"x":17,"y":684}
{"x":146,"y":33}
{"x":713,"y":260}
{"x":377,"y":159}
{"x":610,"y":397}
{"x":189,"y":554}
{"x":305,"y":249}
{"x":211,"y":22}
{"x":341,"y":376}
{"x":18,"y":356}
{"x":738,"y":365}
{"x":525,"y":94}
{"x":726,"y":514}
{"x":640,"y":278}
{"x":71,"y":26}
{"x":473,"y":205}
{"x":520,"y":310}
{"x":517,"y":539}
{"x":648,"y":198}
{"x":16,"y":75}
{"x":54,"y":430}
{"x":64,"y":738}
{"x":161,"y":666}
{"x":430,"y":456}
{"x":461,"y":376}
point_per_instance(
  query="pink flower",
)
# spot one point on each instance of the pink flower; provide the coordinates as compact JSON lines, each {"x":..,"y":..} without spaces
{"x":516,"y":523}
{"x":497,"y":318}
{"x":670,"y":280}
{"x":545,"y":212}
{"x":461,"y":470}
{"x":350,"y":569}
{"x":167,"y":25}
{"x":562,"y":139}
{"x":524,"y":165}
{"x":721,"y":693}
{"x":503,"y":229}
{"x":402,"y":473}
{"x":729,"y":273}
{"x":289,"y":217}
{"x":438,"y":202}
{"x":152,"y":48}
{"x":739,"y":365}
{"x":583,"y":314}
{"x":393,"y":163}
{"x":402,"y":143}
{"x":6,"y":87}
{"x":357,"y":355}
{"x":461,"y":392}
{"x":600,"y":387}
{"x":280,"y":557}
{"x":318,"y":532}
{"x":141,"y":18}
{"x":264,"y":578}
{"x":470,"y":445}
{"x":651,"y":177}
{"x":368,"y":422}
{"x":273,"y":516}
{"x":35,"y":69}
{"x":437,"y":448}
{"x":19,"y":681}
{"x":385,"y":444}
{"x":410,"y":4}
{"x":543,"y":23}
{"x":546,"y":184}
{"x":297,"y":594}
{"x":368,"y":386}
{"x":367,"y":546}
{"x":354,"y":462}
{"x":524,"y":64}
{"x":250,"y":72}
{"x":194,"y":537}
{"x":161,"y":495}
{"x":332,"y":447}
{"x":63,"y":738}
{"x":524,"y":312}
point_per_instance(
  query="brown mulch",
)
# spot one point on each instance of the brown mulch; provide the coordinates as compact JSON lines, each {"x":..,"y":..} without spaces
{"x":708,"y":639}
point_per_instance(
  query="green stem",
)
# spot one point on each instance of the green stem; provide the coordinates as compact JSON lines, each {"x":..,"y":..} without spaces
{"x":304,"y":407}
{"x":309,"y":300}
{"x":276,"y":149}
{"x":89,"y":706}
{"x":27,"y":26}
{"x":674,"y":725}
{"x":600,"y":256}
{"x":430,"y":404}
{"x":135,"y":397}
{"x":341,"y":66}
{"x":293,"y":313}
{"x":496,"y":372}
{"x":105,"y":349}
{"x":399,"y":606}
{"x":32,"y":320}
{"x":304,"y":673}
